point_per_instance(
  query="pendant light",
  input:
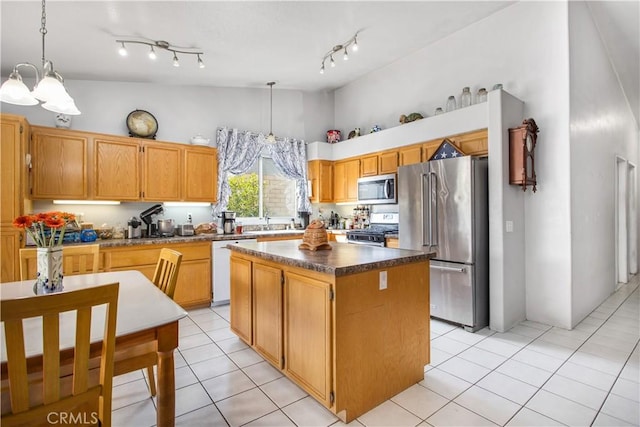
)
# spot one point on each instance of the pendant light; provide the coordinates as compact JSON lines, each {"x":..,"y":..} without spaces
{"x":49,"y":90}
{"x":271,"y":139}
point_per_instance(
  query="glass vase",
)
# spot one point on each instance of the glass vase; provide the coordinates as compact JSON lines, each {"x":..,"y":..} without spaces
{"x":49,"y":270}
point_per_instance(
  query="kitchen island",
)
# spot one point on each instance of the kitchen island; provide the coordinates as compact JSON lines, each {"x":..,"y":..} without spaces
{"x":349,"y":325}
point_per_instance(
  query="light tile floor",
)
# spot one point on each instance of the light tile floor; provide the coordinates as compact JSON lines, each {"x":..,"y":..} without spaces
{"x":532,"y":375}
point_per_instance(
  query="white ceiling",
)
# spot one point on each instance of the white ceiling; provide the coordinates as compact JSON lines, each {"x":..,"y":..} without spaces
{"x":248,"y":43}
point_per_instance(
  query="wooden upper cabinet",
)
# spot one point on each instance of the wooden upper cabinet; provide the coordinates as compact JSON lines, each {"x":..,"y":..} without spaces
{"x":345,"y":182}
{"x":410,"y":155}
{"x":200,"y":183}
{"x":13,"y":135}
{"x":388,"y":162}
{"x":320,"y":173}
{"x":162,"y":172}
{"x":473,"y":143}
{"x":59,"y":161}
{"x":117,"y":169}
{"x":369,"y":165}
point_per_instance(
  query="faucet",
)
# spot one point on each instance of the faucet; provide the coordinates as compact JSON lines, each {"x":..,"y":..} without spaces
{"x":266,"y":218}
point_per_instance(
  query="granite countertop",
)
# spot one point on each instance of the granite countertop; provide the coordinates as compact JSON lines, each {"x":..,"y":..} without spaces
{"x":343,"y":259}
{"x":110,"y":243}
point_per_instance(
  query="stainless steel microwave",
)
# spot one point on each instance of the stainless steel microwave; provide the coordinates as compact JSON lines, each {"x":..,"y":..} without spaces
{"x":377,"y":190}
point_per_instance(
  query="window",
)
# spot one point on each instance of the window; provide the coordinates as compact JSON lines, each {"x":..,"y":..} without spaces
{"x":263,"y":190}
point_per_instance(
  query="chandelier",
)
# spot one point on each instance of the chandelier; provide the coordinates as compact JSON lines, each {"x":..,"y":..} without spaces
{"x":271,"y":138}
{"x":163,"y":45}
{"x":353,"y":42}
{"x":49,"y":90}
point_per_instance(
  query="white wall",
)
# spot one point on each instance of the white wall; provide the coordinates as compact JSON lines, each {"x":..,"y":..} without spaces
{"x":184,"y":111}
{"x":524,"y":47}
{"x":602,"y":126}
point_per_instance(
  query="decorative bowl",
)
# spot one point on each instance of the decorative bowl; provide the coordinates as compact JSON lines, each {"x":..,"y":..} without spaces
{"x":199,"y":140}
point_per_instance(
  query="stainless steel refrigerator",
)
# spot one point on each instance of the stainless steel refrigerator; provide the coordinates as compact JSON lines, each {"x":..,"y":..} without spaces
{"x":443,"y":208}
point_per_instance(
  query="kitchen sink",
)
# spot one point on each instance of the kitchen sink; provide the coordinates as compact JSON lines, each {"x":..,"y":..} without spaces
{"x":269,"y":232}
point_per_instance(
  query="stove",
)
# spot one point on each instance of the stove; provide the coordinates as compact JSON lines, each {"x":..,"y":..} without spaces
{"x":382,"y":224}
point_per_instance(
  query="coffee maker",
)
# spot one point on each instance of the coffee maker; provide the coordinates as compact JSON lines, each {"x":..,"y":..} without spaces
{"x":229,"y":222}
{"x":304,"y":219}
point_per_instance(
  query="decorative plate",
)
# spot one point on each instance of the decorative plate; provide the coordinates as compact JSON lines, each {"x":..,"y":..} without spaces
{"x":142,"y":124}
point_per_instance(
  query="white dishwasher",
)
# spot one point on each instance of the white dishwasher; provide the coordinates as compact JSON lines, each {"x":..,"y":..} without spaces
{"x":221,"y":269}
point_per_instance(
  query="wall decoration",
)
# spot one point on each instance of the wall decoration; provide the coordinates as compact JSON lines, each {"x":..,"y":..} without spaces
{"x":410,"y":118}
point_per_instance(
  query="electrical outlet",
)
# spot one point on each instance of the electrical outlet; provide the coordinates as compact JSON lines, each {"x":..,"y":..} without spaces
{"x":509,"y":226}
{"x":383,"y":280}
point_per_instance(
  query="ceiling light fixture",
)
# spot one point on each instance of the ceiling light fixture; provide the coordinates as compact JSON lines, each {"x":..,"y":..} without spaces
{"x":271,"y":137}
{"x":161,"y":44}
{"x":353,"y":42}
{"x":50,"y":89}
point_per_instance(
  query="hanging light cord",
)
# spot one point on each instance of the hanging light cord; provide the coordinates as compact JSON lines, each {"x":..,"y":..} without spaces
{"x":43,"y":30}
{"x":271,"y":108}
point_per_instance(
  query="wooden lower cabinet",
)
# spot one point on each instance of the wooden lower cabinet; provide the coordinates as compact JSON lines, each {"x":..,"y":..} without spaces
{"x":241,"y":295}
{"x":267,"y":312}
{"x":307,"y":323}
{"x":194,"y":278}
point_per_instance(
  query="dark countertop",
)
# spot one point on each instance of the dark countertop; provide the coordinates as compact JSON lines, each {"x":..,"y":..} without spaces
{"x":110,"y":243}
{"x":343,"y":259}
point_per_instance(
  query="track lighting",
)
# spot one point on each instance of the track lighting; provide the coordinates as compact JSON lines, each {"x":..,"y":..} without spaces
{"x":49,"y":90}
{"x":164,"y":45}
{"x":353,"y":42}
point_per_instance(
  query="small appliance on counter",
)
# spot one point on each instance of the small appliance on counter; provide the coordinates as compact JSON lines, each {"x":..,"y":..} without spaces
{"x":185,"y":230}
{"x":166,"y":228}
{"x":134,"y":228}
{"x":304,"y":219}
{"x":146,"y":215}
{"x":229,"y":222}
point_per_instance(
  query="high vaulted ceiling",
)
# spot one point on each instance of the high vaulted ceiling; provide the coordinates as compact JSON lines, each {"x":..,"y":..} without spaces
{"x":248,"y":43}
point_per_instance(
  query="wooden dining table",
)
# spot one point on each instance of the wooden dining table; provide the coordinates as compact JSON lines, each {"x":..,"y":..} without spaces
{"x":146,"y":331}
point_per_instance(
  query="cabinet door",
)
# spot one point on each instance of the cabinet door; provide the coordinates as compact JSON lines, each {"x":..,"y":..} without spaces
{"x":320,"y":173}
{"x":388,"y":162}
{"x":59,"y":164}
{"x":241,"y":309}
{"x":12,"y":174}
{"x":162,"y":172}
{"x":325,"y":186}
{"x":352,"y":170}
{"x":473,"y":143}
{"x":10,"y":243}
{"x":339,"y":182}
{"x":200,"y":175}
{"x":267,"y":312}
{"x":307,"y":324}
{"x":370,"y":165}
{"x":410,"y":155}
{"x":194,"y":283}
{"x":116,"y":169}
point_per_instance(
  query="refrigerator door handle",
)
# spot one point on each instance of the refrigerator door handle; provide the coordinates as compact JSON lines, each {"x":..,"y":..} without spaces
{"x":456,"y":269}
{"x":426,"y":216}
{"x":433,"y":202}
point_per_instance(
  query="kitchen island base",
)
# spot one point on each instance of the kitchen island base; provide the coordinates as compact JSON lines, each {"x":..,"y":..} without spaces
{"x":352,"y":340}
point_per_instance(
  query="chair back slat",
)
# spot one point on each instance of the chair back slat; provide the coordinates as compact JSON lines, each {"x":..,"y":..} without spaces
{"x":96,"y":398}
{"x":166,"y":274}
{"x":51,"y":357}
{"x":81,"y":357}
{"x":16,"y":364}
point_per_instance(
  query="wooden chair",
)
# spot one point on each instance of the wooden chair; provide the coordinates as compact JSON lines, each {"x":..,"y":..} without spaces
{"x":165,"y":278}
{"x":79,"y":259}
{"x":84,"y":399}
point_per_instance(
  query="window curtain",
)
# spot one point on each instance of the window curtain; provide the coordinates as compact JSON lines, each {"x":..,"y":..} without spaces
{"x":290,"y":156}
{"x":237,"y":153}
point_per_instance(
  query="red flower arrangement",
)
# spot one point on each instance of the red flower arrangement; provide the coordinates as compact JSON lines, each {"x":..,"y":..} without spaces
{"x":46,"y":228}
